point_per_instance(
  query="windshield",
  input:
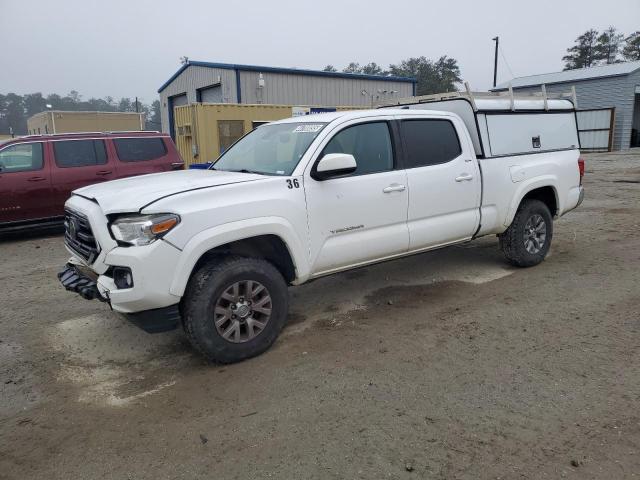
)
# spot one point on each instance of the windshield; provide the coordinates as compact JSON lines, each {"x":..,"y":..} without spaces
{"x":273,"y":149}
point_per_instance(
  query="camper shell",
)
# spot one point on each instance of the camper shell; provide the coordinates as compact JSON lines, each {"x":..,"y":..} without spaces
{"x":502,"y":124}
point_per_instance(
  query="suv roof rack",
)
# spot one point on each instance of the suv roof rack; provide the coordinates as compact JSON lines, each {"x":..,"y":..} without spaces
{"x":132,"y":131}
{"x":473,"y":96}
{"x":81,"y":134}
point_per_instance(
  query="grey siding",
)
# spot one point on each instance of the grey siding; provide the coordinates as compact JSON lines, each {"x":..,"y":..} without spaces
{"x":292,"y":89}
{"x":193,"y":78}
{"x":605,"y":92}
{"x":280,"y":89}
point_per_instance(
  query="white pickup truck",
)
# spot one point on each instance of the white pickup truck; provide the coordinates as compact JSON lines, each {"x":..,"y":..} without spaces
{"x":293,"y":200}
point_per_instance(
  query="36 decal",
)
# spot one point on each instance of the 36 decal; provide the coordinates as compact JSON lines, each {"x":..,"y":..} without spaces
{"x":293,"y":183}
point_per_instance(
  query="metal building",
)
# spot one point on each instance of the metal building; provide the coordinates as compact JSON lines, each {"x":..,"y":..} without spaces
{"x":614,"y":86}
{"x":250,"y":84}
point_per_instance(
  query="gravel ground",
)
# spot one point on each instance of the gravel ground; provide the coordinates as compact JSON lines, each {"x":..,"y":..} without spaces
{"x":449,"y":364}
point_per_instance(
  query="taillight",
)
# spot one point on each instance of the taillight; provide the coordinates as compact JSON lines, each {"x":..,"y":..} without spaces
{"x":581,"y":168}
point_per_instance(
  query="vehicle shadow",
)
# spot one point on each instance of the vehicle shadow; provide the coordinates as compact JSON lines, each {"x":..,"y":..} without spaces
{"x":34,"y":233}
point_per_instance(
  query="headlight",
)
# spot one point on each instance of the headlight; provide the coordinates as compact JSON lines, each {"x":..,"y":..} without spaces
{"x":143,"y":229}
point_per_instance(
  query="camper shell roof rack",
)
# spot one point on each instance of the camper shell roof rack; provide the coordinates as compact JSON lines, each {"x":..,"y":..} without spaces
{"x":516,"y":101}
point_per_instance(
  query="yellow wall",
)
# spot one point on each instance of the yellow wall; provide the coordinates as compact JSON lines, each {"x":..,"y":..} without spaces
{"x":70,"y":122}
{"x":196,"y":125}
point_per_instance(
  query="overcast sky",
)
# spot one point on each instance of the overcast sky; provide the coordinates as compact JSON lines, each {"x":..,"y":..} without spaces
{"x":130,"y":47}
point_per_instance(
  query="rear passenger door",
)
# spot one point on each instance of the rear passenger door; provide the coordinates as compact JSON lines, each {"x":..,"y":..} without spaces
{"x":78,"y":163}
{"x":140,"y":155}
{"x":444,"y":181}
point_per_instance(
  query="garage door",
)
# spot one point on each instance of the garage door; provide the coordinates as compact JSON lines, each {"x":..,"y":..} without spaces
{"x":211,"y":94}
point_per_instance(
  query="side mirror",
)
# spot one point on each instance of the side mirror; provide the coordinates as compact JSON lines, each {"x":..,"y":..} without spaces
{"x":333,"y":165}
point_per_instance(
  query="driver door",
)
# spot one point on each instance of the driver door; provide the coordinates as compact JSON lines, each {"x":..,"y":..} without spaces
{"x":360,"y":217}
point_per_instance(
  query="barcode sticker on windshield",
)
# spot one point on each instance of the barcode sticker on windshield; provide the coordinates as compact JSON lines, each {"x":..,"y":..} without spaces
{"x":307,"y":128}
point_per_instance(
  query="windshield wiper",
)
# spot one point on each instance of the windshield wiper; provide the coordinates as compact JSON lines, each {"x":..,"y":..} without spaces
{"x":244,"y":170}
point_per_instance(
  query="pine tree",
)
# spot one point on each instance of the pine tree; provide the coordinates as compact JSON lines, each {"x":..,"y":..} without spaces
{"x":582,"y":54}
{"x":608,"y":46}
{"x":631,"y":50}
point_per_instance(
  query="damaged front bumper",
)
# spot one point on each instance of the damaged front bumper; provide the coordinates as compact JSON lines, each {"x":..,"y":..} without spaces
{"x":151,"y":321}
{"x":74,"y":280}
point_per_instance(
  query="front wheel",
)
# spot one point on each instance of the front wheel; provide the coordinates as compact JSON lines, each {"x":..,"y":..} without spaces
{"x":527,"y":240}
{"x":234,"y":308}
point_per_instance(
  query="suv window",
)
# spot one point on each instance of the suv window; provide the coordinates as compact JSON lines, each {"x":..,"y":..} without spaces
{"x":429,"y":142}
{"x":22,"y":157}
{"x":370,"y":145}
{"x":139,"y":149}
{"x":79,"y":153}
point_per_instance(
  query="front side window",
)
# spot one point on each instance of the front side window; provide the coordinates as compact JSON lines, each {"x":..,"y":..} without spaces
{"x":370,"y":145}
{"x":139,"y":149}
{"x":79,"y":153}
{"x":273,"y":149}
{"x":429,"y":142}
{"x":22,"y":157}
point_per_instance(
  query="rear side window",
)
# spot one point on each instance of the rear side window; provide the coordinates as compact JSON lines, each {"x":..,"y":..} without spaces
{"x":370,"y":145}
{"x":22,"y":157}
{"x":139,"y":149}
{"x":79,"y":153}
{"x":429,"y":142}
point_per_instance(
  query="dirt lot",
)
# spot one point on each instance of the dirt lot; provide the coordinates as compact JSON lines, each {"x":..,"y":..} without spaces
{"x":449,"y":364}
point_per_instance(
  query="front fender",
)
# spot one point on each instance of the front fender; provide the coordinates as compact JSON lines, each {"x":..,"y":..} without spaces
{"x":528,"y":186}
{"x":231,"y":232}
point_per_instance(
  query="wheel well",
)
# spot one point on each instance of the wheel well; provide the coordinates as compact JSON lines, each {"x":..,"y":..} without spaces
{"x":546,"y":195}
{"x":269,"y":247}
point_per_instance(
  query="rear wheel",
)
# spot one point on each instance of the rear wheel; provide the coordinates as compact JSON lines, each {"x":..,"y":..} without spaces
{"x":234,"y":308}
{"x":528,"y":239}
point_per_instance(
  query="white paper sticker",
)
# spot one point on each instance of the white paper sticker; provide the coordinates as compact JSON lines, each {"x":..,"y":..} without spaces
{"x":311,"y":128}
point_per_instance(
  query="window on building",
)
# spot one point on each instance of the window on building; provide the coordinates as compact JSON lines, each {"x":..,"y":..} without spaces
{"x":429,"y":142}
{"x":370,"y":145}
{"x":79,"y":153}
{"x":22,"y":157}
{"x":140,"y":149}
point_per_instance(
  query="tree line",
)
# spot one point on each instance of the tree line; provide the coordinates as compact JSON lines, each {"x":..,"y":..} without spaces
{"x":602,"y":48}
{"x":442,"y":75}
{"x":16,"y":109}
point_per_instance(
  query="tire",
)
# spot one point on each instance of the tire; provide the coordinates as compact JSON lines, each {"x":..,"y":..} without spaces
{"x":214,"y":312}
{"x":523,"y":246}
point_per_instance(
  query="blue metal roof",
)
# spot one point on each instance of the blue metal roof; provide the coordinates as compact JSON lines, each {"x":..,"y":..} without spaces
{"x":295,"y":71}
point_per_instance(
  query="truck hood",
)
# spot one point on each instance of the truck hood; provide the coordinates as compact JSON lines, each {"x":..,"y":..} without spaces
{"x":134,"y":193}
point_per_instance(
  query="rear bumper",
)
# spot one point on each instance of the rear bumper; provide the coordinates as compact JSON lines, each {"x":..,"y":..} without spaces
{"x":576,"y":197}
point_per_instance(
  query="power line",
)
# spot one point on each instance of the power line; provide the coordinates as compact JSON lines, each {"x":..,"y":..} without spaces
{"x":506,"y":62}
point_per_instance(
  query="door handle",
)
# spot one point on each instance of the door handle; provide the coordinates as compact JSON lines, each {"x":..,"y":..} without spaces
{"x":36,"y":179}
{"x":395,"y":187}
{"x":103,"y":172}
{"x":465,"y":177}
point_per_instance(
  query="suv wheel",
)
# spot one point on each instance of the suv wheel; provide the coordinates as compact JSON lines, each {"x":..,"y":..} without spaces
{"x":528,"y":239}
{"x":234,"y":308}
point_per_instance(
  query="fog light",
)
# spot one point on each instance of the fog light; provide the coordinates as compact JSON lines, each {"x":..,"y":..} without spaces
{"x":122,"y":277}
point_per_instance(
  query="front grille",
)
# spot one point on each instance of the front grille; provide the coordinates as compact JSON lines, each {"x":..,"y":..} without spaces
{"x":78,"y":236}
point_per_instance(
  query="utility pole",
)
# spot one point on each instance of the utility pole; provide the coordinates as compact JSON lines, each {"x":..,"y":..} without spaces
{"x":495,"y":62}
{"x":137,"y":111}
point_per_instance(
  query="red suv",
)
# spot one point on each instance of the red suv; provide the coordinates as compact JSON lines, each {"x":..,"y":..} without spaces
{"x":38,"y":172}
